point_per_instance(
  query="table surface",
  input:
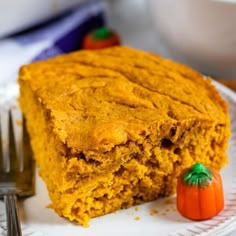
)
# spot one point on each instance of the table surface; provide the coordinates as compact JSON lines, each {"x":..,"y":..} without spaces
{"x":132,"y":21}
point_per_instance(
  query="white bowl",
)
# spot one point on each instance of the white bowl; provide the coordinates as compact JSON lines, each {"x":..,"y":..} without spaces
{"x":200,"y":33}
{"x":17,"y":15}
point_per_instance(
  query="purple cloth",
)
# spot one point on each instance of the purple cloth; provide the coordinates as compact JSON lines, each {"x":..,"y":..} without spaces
{"x":66,"y":32}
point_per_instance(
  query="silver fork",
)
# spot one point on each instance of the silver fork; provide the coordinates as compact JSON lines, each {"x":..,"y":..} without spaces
{"x":16,"y":165}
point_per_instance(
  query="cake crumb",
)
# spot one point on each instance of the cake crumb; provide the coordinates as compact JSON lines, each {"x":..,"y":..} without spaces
{"x":163,"y":213}
{"x":169,"y":201}
{"x":136,"y":209}
{"x":50,"y":205}
{"x":167,"y":209}
{"x":18,"y":122}
{"x":137,"y":218}
{"x":153,"y":212}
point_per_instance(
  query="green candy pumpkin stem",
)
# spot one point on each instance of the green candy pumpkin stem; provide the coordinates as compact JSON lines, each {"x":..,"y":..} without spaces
{"x":101,"y":33}
{"x":199,"y":175}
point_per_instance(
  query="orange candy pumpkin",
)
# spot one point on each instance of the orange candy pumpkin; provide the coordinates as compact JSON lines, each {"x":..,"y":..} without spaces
{"x":200,"y":193}
{"x":101,"y":38}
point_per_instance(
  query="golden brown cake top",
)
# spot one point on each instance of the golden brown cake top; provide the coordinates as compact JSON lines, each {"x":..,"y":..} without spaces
{"x":98,"y":99}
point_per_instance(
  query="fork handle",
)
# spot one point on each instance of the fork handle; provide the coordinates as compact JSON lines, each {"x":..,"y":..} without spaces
{"x":13,"y":221}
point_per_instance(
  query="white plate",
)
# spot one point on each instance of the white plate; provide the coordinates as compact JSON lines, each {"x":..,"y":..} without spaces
{"x":37,"y":220}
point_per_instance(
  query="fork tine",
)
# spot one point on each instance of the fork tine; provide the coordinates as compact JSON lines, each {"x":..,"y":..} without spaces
{"x":17,"y":124}
{"x":16,"y":165}
{"x":4,"y":124}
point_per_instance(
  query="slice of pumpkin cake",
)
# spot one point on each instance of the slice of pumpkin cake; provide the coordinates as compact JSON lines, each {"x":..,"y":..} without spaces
{"x":112,"y":128}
